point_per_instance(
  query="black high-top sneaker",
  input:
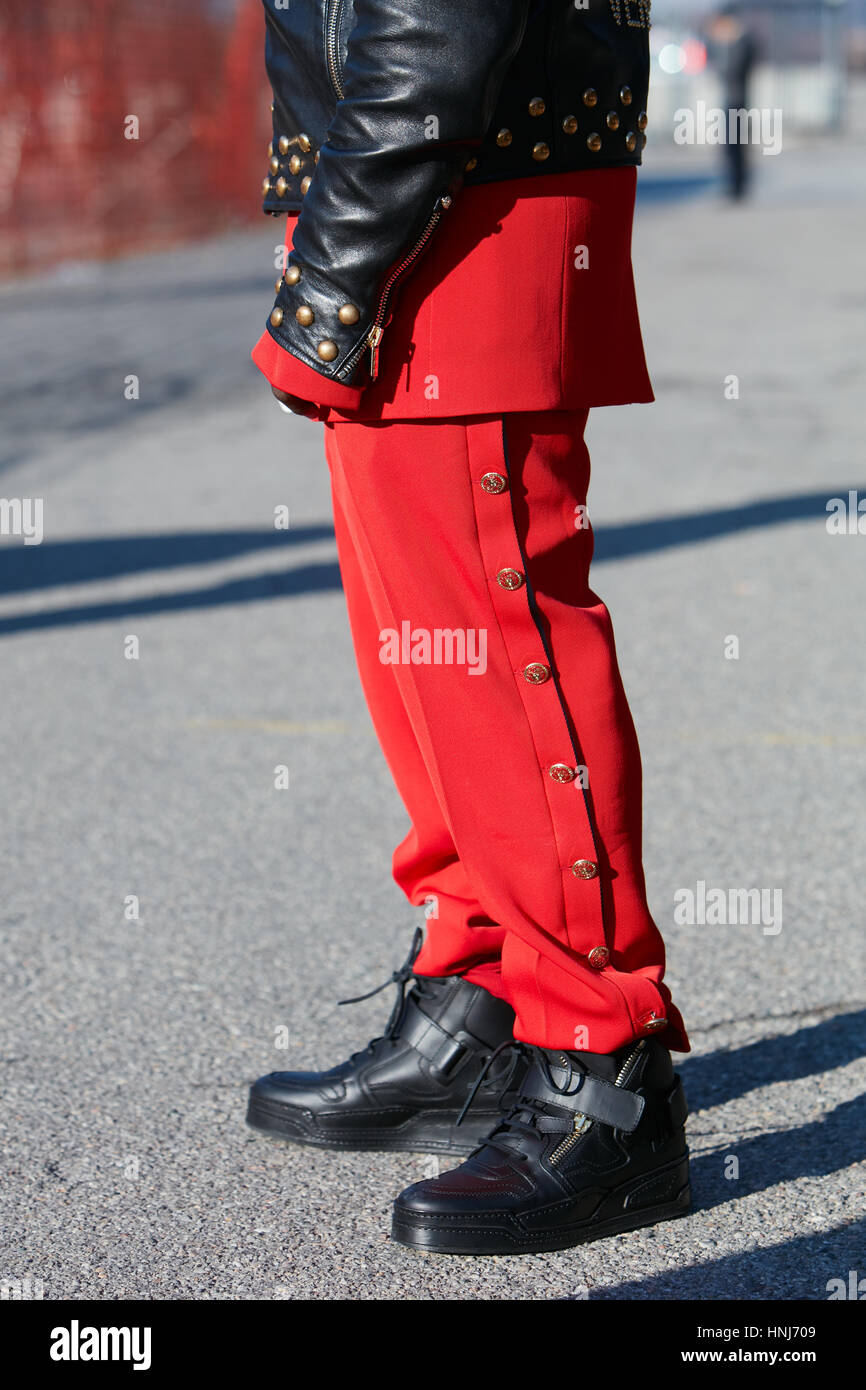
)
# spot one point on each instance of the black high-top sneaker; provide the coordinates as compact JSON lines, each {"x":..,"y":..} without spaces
{"x":406,"y":1089}
{"x":594,"y":1145}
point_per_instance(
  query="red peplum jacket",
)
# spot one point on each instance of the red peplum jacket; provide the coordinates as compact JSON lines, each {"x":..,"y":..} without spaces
{"x":523,"y":300}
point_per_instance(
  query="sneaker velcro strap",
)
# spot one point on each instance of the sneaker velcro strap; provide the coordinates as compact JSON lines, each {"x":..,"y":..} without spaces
{"x":440,"y":1048}
{"x":599,"y":1100}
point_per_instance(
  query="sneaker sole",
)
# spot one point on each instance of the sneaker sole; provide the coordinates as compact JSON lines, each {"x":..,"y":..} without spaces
{"x":428,"y":1132}
{"x":504,"y":1235}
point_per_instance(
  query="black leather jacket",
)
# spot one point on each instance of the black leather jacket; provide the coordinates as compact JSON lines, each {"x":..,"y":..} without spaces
{"x":384,"y":109}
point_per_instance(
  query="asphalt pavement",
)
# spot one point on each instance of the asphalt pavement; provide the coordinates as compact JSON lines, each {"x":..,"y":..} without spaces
{"x":173,"y":924}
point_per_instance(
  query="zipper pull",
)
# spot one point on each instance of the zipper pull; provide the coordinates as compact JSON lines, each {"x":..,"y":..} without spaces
{"x":374,"y":337}
{"x":579,"y":1125}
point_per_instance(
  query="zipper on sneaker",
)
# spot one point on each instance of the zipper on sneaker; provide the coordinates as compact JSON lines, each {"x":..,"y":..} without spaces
{"x":582,"y":1122}
{"x":628,"y":1065}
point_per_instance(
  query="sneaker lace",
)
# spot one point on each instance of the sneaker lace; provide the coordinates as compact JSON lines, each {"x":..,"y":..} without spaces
{"x":401,"y":979}
{"x":518,"y":1124}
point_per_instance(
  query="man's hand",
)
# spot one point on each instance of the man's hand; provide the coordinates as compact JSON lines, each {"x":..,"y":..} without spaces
{"x":295,"y":404}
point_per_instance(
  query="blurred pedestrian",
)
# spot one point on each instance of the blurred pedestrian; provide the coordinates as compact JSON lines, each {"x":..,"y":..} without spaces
{"x":732,"y":50}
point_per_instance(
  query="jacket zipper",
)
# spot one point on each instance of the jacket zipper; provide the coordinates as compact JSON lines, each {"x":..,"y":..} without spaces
{"x":583,"y":1122}
{"x":374,"y":336}
{"x":335,"y":8}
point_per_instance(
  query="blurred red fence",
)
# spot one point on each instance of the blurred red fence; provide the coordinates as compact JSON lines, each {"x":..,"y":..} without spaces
{"x":127,"y":125}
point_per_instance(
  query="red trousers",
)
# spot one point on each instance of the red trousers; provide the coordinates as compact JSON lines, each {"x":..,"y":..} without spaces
{"x":490,"y":671}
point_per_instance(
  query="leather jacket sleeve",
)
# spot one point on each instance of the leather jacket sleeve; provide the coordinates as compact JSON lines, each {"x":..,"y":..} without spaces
{"x":419,"y":87}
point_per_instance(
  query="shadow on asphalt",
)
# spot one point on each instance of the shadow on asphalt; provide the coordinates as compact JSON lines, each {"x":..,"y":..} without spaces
{"x":305,"y":580}
{"x":717,"y":1077}
{"x":31,"y":568}
{"x":813,"y":1150}
{"x":663,"y":533}
{"x":800,"y":1268}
